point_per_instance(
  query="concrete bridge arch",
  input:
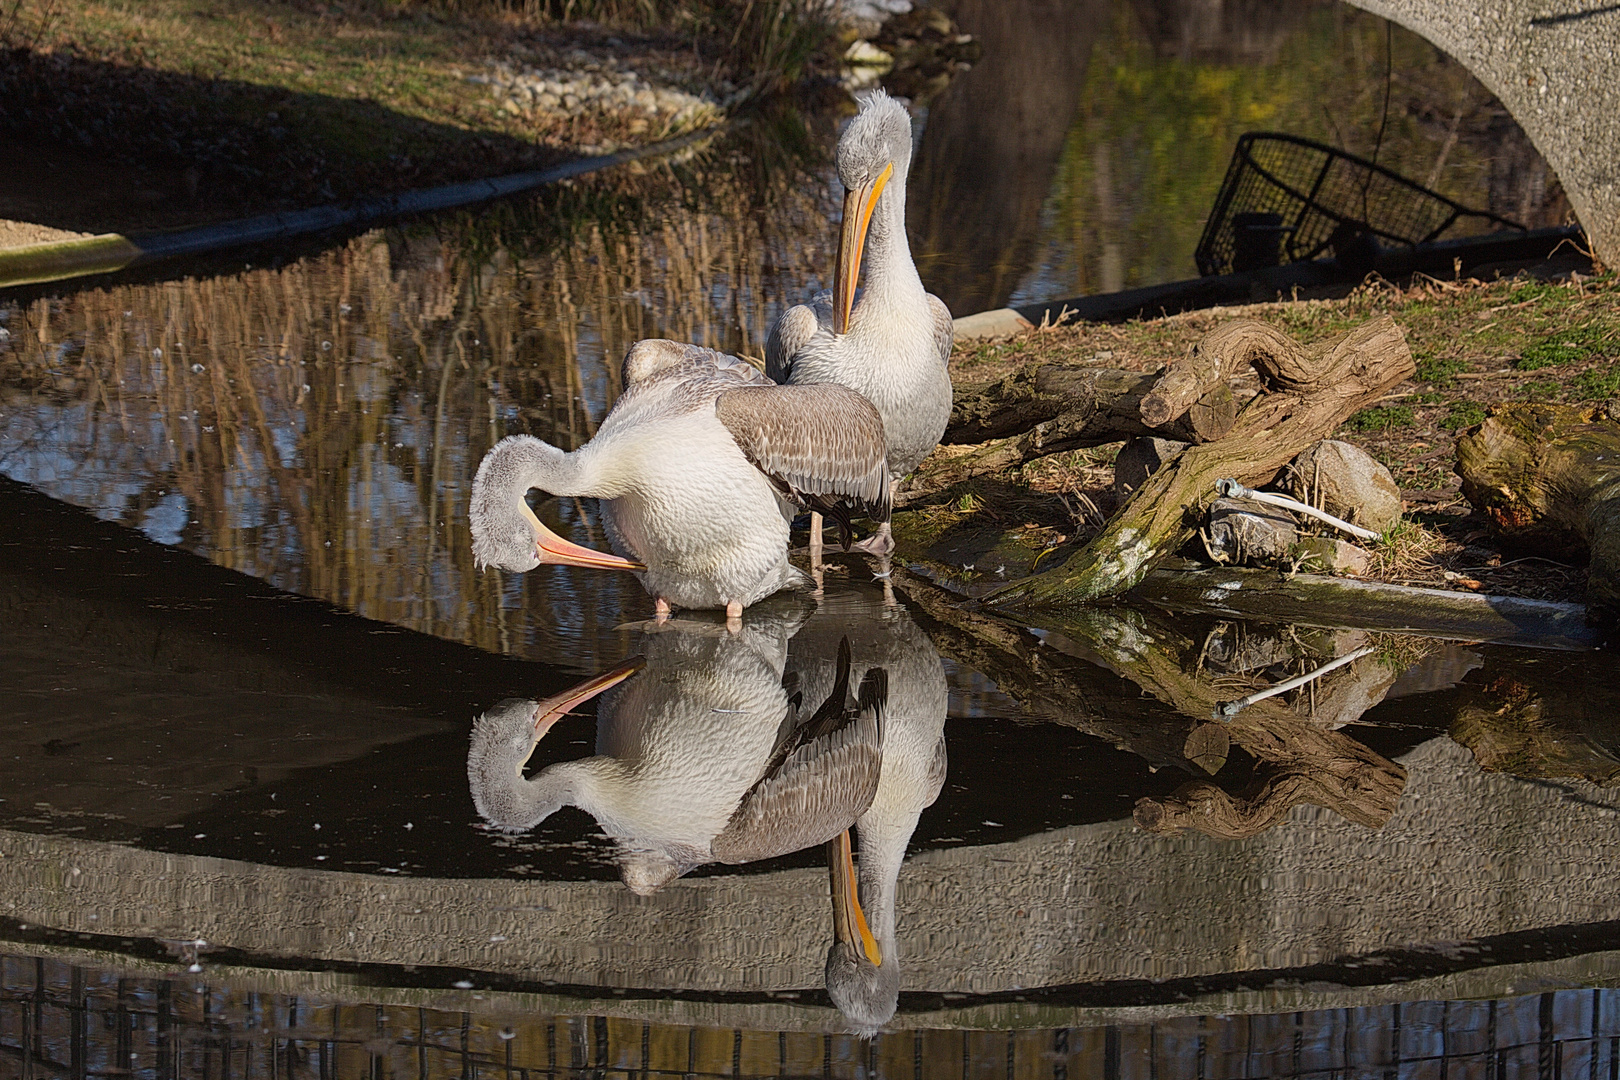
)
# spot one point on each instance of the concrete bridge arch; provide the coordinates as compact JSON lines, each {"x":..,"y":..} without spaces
{"x":1555,"y":65}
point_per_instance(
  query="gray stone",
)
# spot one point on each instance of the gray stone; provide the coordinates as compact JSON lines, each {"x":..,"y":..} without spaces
{"x":1346,"y":482}
{"x":1557,"y":69}
{"x":1139,"y":459}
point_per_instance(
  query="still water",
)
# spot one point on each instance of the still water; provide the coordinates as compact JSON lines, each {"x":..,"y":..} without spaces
{"x":240,"y":783}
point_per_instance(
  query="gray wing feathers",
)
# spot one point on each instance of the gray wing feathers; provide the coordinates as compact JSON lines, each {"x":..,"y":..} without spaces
{"x":819,"y":791}
{"x":793,"y":330}
{"x":815,"y":440}
{"x":944,"y":331}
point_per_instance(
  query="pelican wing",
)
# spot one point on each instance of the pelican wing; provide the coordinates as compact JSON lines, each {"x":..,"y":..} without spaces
{"x":821,"y":778}
{"x":821,"y":445}
{"x":944,"y":328}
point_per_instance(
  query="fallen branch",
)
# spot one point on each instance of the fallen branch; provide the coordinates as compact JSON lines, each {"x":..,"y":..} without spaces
{"x":1313,"y":391}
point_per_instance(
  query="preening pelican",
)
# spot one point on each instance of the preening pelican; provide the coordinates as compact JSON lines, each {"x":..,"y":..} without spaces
{"x":699,"y":466}
{"x":702,"y":758}
{"x":863,"y":964}
{"x":893,"y":344}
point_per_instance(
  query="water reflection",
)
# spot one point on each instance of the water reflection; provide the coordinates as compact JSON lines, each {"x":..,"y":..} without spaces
{"x":706,"y":755}
{"x":703,"y":756}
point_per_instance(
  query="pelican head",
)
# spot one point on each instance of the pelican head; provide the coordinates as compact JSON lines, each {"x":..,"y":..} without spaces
{"x":504,"y":739}
{"x":874,"y":155}
{"x":505,"y":531}
{"x":861,"y":980}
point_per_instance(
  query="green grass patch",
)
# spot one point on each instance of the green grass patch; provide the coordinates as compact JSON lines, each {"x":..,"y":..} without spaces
{"x":1428,"y":397}
{"x":1569,"y":346}
{"x":1465,"y":414}
{"x":1538,"y":390}
{"x":1440,"y":373}
{"x":1598,"y":384}
{"x":1382,"y":418}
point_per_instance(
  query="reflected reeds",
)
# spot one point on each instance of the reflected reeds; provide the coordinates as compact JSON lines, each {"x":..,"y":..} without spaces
{"x":317,"y":425}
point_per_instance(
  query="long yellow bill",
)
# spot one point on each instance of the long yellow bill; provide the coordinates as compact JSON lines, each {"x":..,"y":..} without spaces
{"x":858,"y":205}
{"x":553,"y":549}
{"x":554,"y":708}
{"x":849,"y":921}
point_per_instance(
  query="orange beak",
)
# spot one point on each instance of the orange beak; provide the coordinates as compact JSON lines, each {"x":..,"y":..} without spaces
{"x":858,"y":205}
{"x":552,"y":709}
{"x":849,"y":921}
{"x":552,"y":548}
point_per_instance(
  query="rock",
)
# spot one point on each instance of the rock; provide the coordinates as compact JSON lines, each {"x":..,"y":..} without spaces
{"x":1347,"y":483}
{"x":1245,"y":531}
{"x":1328,"y":555}
{"x":1139,"y":459}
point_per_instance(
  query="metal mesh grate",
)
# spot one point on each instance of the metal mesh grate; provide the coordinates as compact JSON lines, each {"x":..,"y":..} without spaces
{"x":1287,"y":199}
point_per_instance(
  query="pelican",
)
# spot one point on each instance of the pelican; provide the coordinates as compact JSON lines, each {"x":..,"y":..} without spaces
{"x":700,"y":759}
{"x":893,"y":344}
{"x":863,"y":963}
{"x":699,"y":466}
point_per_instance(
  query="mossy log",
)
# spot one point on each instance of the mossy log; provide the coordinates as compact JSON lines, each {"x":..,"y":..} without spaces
{"x":1311,"y":392}
{"x":1317,"y":600}
{"x":1548,"y":479}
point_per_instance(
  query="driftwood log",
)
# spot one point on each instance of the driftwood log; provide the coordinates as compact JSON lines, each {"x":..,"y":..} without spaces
{"x":1310,"y":392}
{"x":1050,"y":408}
{"x":1548,"y":479}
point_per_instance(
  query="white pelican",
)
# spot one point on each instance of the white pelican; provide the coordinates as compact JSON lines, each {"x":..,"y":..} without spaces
{"x":863,"y":964}
{"x":893,"y":344}
{"x":700,"y":759}
{"x":698,"y":466}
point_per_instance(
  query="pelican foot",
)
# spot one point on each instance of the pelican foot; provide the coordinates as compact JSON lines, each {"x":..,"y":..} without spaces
{"x":661,"y":610}
{"x":734,"y":617}
{"x":879,"y":543}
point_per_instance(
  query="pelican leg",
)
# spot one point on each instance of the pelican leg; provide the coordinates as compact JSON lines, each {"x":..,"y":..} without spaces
{"x":879,"y":543}
{"x":734,"y":616}
{"x":815,"y":540}
{"x":661,"y":610}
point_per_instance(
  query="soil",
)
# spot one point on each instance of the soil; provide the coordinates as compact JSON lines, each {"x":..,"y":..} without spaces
{"x":1476,"y":343}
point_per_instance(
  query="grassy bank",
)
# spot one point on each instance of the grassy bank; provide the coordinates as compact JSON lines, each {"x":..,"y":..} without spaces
{"x":228,"y":105}
{"x":1476,"y":344}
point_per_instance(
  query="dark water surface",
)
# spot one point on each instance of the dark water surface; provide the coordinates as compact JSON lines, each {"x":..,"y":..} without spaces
{"x":243,"y":646}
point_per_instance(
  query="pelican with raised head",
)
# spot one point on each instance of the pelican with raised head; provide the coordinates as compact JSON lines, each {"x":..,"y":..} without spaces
{"x":703,"y":758}
{"x":893,"y":343}
{"x":699,"y":466}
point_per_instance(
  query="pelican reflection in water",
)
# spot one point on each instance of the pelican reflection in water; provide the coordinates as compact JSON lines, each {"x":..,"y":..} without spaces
{"x":701,"y":757}
{"x":866,"y":987}
{"x":699,"y":466}
{"x":893,"y":344}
